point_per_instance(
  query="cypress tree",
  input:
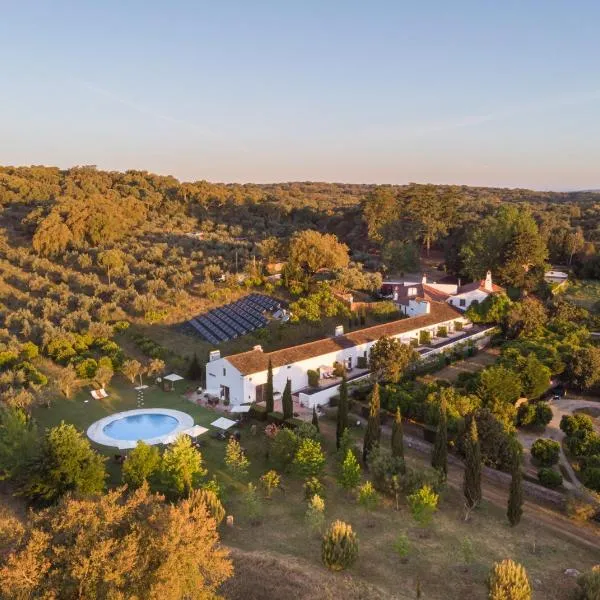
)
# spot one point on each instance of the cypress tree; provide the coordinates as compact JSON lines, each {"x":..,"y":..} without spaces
{"x":397,"y":435}
{"x":439,"y":458}
{"x":515,"y":497}
{"x":342,"y":414}
{"x":195,"y":369}
{"x":315,"y":419}
{"x":472,"y":482}
{"x":287,"y":404}
{"x":373,"y":431}
{"x":269,"y":400}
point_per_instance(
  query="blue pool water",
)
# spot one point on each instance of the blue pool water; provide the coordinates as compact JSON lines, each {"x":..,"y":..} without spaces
{"x":140,"y":427}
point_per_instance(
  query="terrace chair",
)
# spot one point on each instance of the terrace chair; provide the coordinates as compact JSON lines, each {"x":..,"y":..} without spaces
{"x":99,"y":394}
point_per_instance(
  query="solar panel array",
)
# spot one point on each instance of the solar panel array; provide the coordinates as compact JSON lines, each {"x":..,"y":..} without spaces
{"x":233,"y":320}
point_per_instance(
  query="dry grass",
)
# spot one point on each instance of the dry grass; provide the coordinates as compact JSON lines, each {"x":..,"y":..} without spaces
{"x":435,"y":557}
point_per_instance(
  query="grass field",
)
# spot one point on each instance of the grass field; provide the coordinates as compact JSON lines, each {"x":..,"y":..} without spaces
{"x":280,"y":558}
{"x":584,"y":292}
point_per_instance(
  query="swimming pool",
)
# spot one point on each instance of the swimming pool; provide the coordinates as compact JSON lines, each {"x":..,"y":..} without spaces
{"x":139,"y":427}
{"x":151,"y":425}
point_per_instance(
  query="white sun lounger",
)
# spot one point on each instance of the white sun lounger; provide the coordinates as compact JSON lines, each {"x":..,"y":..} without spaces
{"x":99,"y":394}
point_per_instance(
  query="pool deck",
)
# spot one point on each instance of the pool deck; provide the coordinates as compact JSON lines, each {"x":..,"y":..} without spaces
{"x":96,"y":430}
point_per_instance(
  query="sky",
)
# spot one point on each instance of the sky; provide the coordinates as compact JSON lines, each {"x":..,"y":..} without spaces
{"x":481,"y":93}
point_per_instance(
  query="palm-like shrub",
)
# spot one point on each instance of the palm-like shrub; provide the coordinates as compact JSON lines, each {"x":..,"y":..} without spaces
{"x":212,"y":503}
{"x":508,"y":581}
{"x":340,"y":546}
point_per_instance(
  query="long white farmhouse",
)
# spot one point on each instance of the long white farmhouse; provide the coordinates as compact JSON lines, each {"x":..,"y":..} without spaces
{"x":241,"y":378}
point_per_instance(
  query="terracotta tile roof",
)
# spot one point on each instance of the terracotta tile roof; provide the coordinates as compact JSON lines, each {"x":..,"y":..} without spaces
{"x":255,"y":361}
{"x":478,"y":285}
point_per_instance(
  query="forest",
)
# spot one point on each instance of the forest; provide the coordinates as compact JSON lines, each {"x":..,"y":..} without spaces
{"x":97,"y":268}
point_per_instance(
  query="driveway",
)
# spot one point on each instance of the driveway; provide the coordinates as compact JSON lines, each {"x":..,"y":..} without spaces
{"x":564,"y":406}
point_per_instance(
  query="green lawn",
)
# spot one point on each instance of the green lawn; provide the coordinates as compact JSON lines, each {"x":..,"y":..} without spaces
{"x":585,"y":292}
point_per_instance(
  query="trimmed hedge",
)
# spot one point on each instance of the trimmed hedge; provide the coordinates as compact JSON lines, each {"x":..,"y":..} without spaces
{"x":275,"y":417}
{"x":258,"y":412}
{"x":294,"y":422}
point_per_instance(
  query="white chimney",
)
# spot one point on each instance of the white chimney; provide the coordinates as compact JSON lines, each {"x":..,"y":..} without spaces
{"x":214,"y":355}
{"x":258,"y":348}
{"x":488,"y":282}
{"x":339,"y":330}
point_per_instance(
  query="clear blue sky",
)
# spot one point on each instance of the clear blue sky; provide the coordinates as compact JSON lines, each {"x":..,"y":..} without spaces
{"x":483,"y":92}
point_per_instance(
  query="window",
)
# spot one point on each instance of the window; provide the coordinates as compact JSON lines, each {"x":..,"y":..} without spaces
{"x":224,"y":371}
{"x":462,"y":302}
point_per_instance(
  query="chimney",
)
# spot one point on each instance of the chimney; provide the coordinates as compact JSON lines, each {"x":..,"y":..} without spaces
{"x":339,"y":330}
{"x":488,"y":282}
{"x":214,"y":355}
{"x":257,"y":348}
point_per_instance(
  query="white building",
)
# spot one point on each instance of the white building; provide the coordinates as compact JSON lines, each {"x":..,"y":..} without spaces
{"x":241,"y":378}
{"x":408,"y":293}
{"x":475,"y":292}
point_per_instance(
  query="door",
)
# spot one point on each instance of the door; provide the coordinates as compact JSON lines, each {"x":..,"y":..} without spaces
{"x":225,"y":393}
{"x":261,"y":392}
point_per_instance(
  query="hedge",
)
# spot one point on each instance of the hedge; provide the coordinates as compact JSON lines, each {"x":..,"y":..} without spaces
{"x":549,"y":477}
{"x":258,"y":412}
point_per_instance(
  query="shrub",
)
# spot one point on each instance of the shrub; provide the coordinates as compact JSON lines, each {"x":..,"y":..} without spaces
{"x":270,"y":481}
{"x":338,"y":369}
{"x":545,"y":452}
{"x":283,"y":448}
{"x":212,"y":503}
{"x":350,"y":471}
{"x":402,"y":546}
{"x":570,"y":424}
{"x":442,"y":331}
{"x":589,"y":585}
{"x":508,"y":581}
{"x":313,"y":378}
{"x":313,"y":487}
{"x":367,"y":496}
{"x":526,"y":415}
{"x":591,"y":478}
{"x":315,"y":513}
{"x":383,"y":467}
{"x":275,"y":417}
{"x":543,"y":414}
{"x":579,"y":509}
{"x":423,"y":503}
{"x":235,"y":459}
{"x":549,"y":477}
{"x":458,"y":325}
{"x":258,"y":412}
{"x":362,"y":363}
{"x":310,"y":458}
{"x":307,"y":430}
{"x":87,"y":368}
{"x":339,"y":549}
{"x":253,"y":504}
{"x":424,"y":337}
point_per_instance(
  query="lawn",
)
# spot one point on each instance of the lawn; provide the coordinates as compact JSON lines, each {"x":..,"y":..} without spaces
{"x":585,"y":292}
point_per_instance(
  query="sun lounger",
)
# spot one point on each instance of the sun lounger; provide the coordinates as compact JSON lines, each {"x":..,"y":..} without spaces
{"x":99,"y":394}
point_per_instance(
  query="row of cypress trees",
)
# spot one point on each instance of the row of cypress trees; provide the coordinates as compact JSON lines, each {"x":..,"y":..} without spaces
{"x":439,"y":458}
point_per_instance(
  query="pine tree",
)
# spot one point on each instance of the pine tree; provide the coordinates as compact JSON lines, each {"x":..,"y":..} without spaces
{"x":472,"y":482}
{"x":287,"y":404}
{"x":373,"y":431}
{"x":342,"y":414}
{"x":195,"y":369}
{"x":269,"y":400}
{"x":397,"y":436}
{"x":315,"y":418}
{"x":515,"y":497}
{"x":439,"y":458}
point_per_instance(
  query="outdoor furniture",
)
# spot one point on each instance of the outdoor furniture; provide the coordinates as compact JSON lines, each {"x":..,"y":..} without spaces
{"x":223,"y":423}
{"x":99,"y":394}
{"x":169,"y":381}
{"x":195,"y":431}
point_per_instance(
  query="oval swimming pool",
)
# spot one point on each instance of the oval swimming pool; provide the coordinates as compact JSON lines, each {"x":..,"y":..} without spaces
{"x":140,"y":427}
